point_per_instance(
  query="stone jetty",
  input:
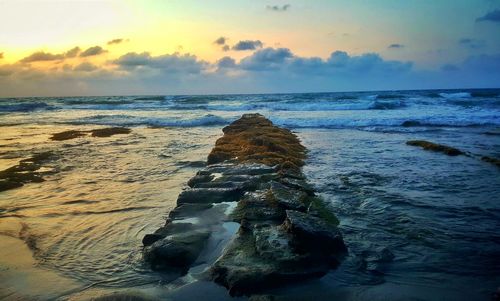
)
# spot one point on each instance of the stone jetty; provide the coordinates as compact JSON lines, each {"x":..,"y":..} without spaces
{"x":249,"y":221}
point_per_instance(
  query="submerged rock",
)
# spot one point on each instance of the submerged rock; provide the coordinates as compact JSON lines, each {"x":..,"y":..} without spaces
{"x":450,"y":151}
{"x":67,"y":135}
{"x":26,"y":171}
{"x":105,"y":132}
{"x":285,"y":234}
{"x":491,"y":160}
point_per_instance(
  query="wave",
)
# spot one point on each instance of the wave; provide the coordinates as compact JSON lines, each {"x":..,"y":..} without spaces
{"x":386,"y":105}
{"x":297,"y":106}
{"x":385,"y":122}
{"x":129,"y":120}
{"x":160,"y":98}
{"x":25,"y":107}
{"x":97,"y":102}
{"x":386,"y":96}
{"x":486,"y":94}
{"x":455,"y":95}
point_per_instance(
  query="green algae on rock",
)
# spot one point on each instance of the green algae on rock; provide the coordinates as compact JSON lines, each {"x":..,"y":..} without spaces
{"x":253,"y":138}
{"x":450,"y":151}
{"x":254,"y":181}
{"x":105,"y":132}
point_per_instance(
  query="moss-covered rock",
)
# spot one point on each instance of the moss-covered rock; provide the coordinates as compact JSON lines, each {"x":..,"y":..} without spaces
{"x":285,"y":234}
{"x":253,"y":138}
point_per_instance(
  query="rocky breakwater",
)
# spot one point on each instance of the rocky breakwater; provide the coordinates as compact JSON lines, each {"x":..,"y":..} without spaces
{"x":253,"y":190}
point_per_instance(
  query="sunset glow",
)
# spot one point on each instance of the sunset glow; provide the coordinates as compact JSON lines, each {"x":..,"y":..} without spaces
{"x":433,"y":39}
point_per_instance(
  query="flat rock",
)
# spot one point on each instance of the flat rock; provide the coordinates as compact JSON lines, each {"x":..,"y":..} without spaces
{"x":271,"y":242}
{"x":288,"y":198}
{"x":209,"y":195}
{"x":251,"y":169}
{"x":313,"y":233}
{"x":298,"y":184}
{"x":255,"y":207}
{"x":188,"y":210}
{"x":176,"y":251}
{"x":197,"y":179}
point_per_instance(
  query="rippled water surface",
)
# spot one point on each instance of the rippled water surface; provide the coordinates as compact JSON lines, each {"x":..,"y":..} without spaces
{"x":419,"y":225}
{"x":87,"y":220}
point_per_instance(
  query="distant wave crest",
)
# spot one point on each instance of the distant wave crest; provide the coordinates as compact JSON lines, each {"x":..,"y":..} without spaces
{"x":130,"y":120}
{"x":455,"y":95}
{"x":25,"y":107}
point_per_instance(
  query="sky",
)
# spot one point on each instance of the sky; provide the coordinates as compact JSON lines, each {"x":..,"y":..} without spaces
{"x":151,"y":47}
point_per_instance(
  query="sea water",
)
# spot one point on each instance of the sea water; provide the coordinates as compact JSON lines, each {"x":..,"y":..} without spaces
{"x":419,"y":225}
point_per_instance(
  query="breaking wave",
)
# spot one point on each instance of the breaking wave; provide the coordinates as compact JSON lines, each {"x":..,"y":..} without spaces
{"x":131,"y":120}
{"x":455,"y":95}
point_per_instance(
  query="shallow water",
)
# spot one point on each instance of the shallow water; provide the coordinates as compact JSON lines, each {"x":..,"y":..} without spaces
{"x":416,"y":219}
{"x":87,"y":221}
{"x":419,"y":225}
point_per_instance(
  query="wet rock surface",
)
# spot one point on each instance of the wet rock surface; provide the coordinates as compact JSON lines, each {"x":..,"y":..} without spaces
{"x":254,"y":181}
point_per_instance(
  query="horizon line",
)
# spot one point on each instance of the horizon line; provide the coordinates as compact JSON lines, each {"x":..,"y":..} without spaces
{"x":270,"y":93}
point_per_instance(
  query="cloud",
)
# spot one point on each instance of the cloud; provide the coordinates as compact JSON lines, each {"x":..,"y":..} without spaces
{"x":337,"y":64}
{"x":96,"y":50}
{"x":396,"y":46}
{"x":7,"y":70}
{"x":115,"y":41}
{"x":41,"y":56}
{"x":85,"y":67}
{"x":471,"y":43}
{"x":279,"y":8}
{"x":341,"y":62}
{"x":72,"y":52}
{"x":226,"y":48}
{"x":483,"y":63}
{"x":492,"y":16}
{"x":263,"y":71}
{"x":266,"y":59}
{"x":247,"y":45}
{"x":1,"y":55}
{"x":133,"y":59}
{"x":221,"y":41}
{"x":172,"y":63}
{"x":226,"y":62}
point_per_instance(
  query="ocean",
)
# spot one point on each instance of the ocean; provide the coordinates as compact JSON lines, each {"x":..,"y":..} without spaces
{"x":419,"y":225}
